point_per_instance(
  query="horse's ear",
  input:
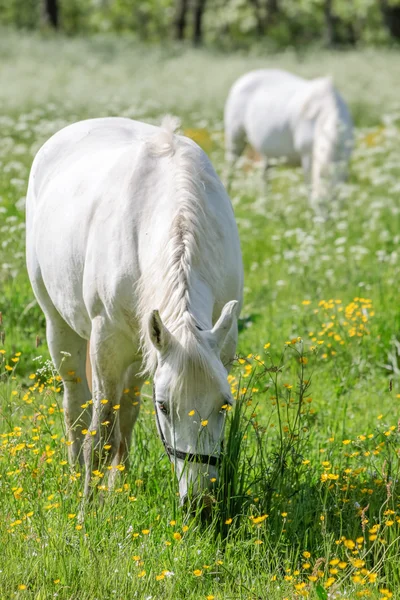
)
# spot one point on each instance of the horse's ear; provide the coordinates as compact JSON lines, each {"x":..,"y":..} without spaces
{"x":224,"y":323}
{"x":159,"y":334}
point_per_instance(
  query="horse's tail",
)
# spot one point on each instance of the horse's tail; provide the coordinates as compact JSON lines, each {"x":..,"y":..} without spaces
{"x":164,"y":142}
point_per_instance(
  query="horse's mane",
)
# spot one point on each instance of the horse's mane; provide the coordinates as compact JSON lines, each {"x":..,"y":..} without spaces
{"x":329,"y":135}
{"x":192,"y":241}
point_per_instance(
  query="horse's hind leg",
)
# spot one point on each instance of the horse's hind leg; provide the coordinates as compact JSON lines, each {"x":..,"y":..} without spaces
{"x":68,"y":351}
{"x":130,"y":406}
{"x":128,"y":413}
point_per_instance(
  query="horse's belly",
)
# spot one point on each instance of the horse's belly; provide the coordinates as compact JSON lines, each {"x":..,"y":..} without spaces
{"x":277,"y":143}
{"x":273,"y":142}
{"x":268,"y":129}
{"x":59,"y":252}
{"x":71,"y":243}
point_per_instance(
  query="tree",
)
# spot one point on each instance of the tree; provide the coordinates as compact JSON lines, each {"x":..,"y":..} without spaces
{"x":199,"y":7}
{"x":337,"y":31}
{"x":391,"y":18}
{"x":52,"y":12}
{"x":265,"y":13}
{"x":330,"y":37}
{"x":181,"y":19}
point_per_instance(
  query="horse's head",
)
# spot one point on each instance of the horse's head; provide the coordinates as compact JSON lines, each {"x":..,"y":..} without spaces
{"x":191,"y":397}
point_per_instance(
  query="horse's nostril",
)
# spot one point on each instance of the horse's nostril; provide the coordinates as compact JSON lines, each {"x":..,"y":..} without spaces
{"x":202,"y":505}
{"x":208,"y":501}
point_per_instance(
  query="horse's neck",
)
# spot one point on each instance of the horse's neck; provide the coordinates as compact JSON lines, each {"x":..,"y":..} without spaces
{"x":190,"y":276}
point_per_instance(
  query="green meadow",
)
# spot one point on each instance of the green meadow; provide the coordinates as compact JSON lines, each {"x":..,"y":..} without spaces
{"x":308,"y":503}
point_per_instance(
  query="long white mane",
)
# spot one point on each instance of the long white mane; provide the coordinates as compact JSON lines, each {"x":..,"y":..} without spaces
{"x":192,"y":240}
{"x":332,"y":135}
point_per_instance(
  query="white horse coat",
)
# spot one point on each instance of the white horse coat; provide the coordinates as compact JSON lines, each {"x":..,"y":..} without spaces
{"x":132,"y":244}
{"x":282,"y":115}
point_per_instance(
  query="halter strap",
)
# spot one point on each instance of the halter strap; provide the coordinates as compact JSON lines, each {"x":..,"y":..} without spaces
{"x":205,"y":459}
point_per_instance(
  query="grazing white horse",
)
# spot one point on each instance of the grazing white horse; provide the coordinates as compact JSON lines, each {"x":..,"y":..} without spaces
{"x":132,"y":244}
{"x":282,"y":115}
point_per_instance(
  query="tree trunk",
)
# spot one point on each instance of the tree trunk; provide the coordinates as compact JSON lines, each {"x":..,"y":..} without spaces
{"x":51,"y":12}
{"x":260,"y":21}
{"x":391,"y":18}
{"x":199,"y":7}
{"x":272,"y":10}
{"x":142,"y":21}
{"x":329,"y":24}
{"x":180,"y":19}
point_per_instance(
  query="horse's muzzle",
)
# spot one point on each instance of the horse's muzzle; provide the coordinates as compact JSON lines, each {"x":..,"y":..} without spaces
{"x":202,"y":505}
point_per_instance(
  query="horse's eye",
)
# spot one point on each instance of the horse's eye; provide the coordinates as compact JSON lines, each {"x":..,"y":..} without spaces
{"x":163,"y":407}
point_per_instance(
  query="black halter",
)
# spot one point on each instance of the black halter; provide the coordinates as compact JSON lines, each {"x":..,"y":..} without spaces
{"x":172,"y":453}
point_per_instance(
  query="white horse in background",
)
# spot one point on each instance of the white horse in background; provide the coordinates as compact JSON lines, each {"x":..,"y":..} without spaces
{"x":132,"y":244}
{"x":282,"y":115}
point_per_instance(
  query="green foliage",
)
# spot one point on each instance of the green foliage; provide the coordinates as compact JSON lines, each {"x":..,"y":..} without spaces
{"x":149,"y":20}
{"x":227,"y":23}
{"x":24,"y":14}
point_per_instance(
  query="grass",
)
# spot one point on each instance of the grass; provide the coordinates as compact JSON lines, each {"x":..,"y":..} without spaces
{"x":315,"y":428}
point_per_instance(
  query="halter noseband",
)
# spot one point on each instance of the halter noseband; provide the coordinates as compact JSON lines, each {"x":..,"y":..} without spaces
{"x":172,"y":453}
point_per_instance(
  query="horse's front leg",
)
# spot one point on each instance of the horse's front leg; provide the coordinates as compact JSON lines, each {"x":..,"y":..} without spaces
{"x":128,"y":413}
{"x":109,"y":362}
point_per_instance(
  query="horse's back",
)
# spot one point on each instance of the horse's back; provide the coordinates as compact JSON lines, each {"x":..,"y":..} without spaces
{"x":259,"y":103}
{"x":253,"y":79}
{"x":76,"y":142}
{"x":267,"y":80}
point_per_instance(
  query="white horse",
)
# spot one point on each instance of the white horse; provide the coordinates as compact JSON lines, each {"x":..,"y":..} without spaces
{"x":132,"y":244}
{"x":282,"y":115}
